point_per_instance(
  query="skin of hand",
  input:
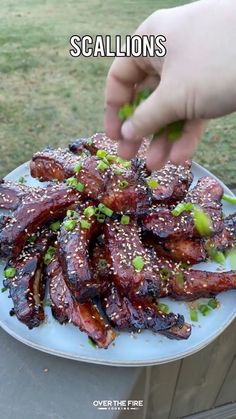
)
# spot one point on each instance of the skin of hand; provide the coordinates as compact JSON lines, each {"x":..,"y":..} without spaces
{"x":195,"y":81}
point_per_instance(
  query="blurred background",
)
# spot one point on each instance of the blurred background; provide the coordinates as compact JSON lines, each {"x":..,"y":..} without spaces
{"x":48,"y":97}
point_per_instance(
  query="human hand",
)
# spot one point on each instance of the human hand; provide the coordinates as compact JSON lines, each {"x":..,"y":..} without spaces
{"x":195,"y":81}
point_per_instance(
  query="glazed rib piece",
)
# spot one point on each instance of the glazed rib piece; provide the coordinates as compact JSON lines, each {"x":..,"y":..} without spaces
{"x":189,"y":284}
{"x":161,"y":224}
{"x":27,"y":287}
{"x":11,"y":194}
{"x":122,"y":246}
{"x":50,"y":164}
{"x":137,"y":315}
{"x":51,"y":204}
{"x":74,"y":256}
{"x":100,"y":267}
{"x":66,"y":309}
{"x":173,"y":182}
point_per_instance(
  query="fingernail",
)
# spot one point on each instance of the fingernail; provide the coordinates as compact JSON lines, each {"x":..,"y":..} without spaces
{"x":128,"y":131}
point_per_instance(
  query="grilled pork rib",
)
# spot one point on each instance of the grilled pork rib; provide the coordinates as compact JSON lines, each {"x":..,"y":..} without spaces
{"x":65,"y":308}
{"x":51,"y":204}
{"x":27,"y":287}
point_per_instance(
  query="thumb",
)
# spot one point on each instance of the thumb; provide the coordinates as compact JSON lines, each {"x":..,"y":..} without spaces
{"x":151,"y":115}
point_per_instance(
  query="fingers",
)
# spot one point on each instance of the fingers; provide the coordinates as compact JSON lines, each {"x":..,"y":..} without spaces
{"x":162,"y":150}
{"x":151,"y":115}
{"x":124,"y":74}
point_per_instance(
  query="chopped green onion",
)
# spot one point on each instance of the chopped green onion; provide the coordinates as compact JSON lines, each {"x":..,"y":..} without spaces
{"x":174,"y":130}
{"x":71,"y":214}
{"x":213,"y":303}
{"x":102,"y":166}
{"x":230,"y":199}
{"x":193,"y":315}
{"x":138,"y":263}
{"x":123,"y":184}
{"x":111,"y":158}
{"x":125,"y":163}
{"x":78,"y":167}
{"x":117,"y":172}
{"x":31,"y":239}
{"x":125,"y":219}
{"x":152,"y":183}
{"x":179,"y":277}
{"x":4,"y":289}
{"x":102,"y":263}
{"x":74,"y":183}
{"x":164,"y":274}
{"x":10,"y":272}
{"x":47,"y":302}
{"x":101,"y":153}
{"x":21,"y":179}
{"x":91,"y":342}
{"x":181,"y":207}
{"x":126,"y":111}
{"x":101,"y":218}
{"x":163,"y":307}
{"x":232,"y":257}
{"x":80,"y":187}
{"x":55,"y":226}
{"x":85,"y":224}
{"x":105,"y":210}
{"x":215,"y":254}
{"x":204,"y":309}
{"x":202,"y":222}
{"x":89,"y":211}
{"x":69,"y":225}
{"x":142,"y":95}
{"x":49,"y":255}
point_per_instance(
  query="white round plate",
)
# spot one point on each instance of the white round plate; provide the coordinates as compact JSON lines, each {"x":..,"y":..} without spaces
{"x":128,"y":349}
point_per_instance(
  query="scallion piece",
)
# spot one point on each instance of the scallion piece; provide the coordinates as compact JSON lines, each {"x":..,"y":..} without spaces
{"x":4,"y":289}
{"x":126,"y":111}
{"x":180,"y":277}
{"x":69,"y":225}
{"x":105,"y":210}
{"x":102,"y":166}
{"x":101,"y":218}
{"x":102,"y":263}
{"x":138,"y":263}
{"x":122,"y":184}
{"x":230,"y":199}
{"x":163,"y":307}
{"x":215,"y":254}
{"x":164,"y":274}
{"x":193,"y":315}
{"x":78,"y":167}
{"x":181,"y":207}
{"x":49,"y":255}
{"x":89,"y":211}
{"x":117,"y":172}
{"x":111,"y":158}
{"x":152,"y":183}
{"x":10,"y":272}
{"x":80,"y":187}
{"x":125,"y":219}
{"x":21,"y":179}
{"x":74,"y":183}
{"x":71,"y":214}
{"x":55,"y":226}
{"x":101,"y":153}
{"x":204,"y":309}
{"x":91,"y":342}
{"x":31,"y":238}
{"x":232,"y":257}
{"x":202,"y":222}
{"x":85,"y":224}
{"x":213,"y":303}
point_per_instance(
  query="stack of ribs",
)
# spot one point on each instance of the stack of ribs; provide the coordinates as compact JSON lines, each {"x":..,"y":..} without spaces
{"x":87,"y":262}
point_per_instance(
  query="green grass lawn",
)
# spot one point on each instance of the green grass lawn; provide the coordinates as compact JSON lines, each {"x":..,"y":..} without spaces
{"x":47,"y":97}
